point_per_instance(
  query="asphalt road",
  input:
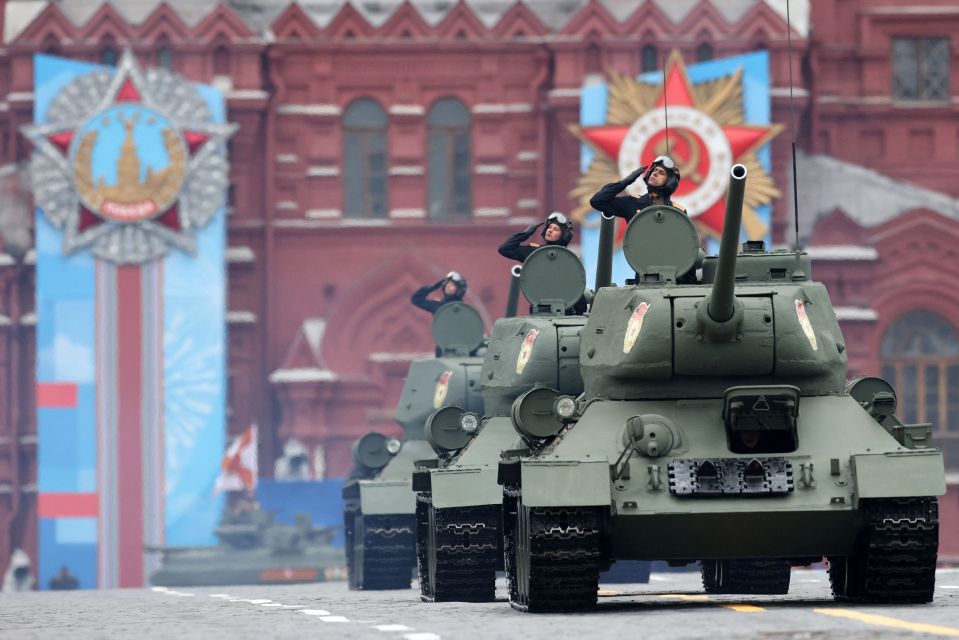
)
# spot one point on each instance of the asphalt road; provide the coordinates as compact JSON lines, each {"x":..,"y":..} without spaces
{"x":671,"y":606}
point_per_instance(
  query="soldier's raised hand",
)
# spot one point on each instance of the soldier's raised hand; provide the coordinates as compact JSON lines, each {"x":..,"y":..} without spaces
{"x":532,"y":228}
{"x":631,"y":178}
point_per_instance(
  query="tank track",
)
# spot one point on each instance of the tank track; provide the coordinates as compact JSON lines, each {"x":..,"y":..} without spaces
{"x":894,"y":559}
{"x":388,"y":550}
{"x":461,"y":553}
{"x":554,"y":555}
{"x":768,"y":577}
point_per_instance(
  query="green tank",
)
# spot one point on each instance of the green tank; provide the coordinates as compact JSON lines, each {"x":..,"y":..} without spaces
{"x":253,"y":549}
{"x":459,"y":503}
{"x":379,"y":507}
{"x":717,"y":426}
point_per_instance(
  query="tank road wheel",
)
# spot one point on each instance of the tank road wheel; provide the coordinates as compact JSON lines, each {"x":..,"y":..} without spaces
{"x":557,"y":557}
{"x":768,"y":577}
{"x":383,"y":551}
{"x":463,"y":551}
{"x":894,"y":559}
{"x":424,"y":502}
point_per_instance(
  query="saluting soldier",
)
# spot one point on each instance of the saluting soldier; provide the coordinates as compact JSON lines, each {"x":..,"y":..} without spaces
{"x":661,"y":178}
{"x":558,"y":232}
{"x":453,"y":289}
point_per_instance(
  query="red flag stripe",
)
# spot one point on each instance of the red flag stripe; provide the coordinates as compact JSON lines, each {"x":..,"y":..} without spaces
{"x":56,"y":395}
{"x":68,"y":505}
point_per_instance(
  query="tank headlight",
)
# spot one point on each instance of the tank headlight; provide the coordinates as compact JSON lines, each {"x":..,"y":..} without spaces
{"x":393,"y":446}
{"x":565,"y":407}
{"x":469,"y":423}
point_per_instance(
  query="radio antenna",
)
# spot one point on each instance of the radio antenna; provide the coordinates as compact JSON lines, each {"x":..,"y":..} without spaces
{"x":792,"y":127}
{"x":665,"y":105}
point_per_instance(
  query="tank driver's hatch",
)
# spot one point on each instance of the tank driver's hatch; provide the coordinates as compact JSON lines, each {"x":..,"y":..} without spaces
{"x":553,"y":280}
{"x":457,"y":329}
{"x":661,"y":240}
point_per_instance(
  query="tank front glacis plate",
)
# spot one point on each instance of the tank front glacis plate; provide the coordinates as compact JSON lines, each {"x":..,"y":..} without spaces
{"x":378,"y":497}
{"x":465,"y":487}
{"x":818,"y":516}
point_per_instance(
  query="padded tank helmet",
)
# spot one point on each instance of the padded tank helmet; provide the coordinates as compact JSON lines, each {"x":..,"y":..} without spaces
{"x":672,"y":176}
{"x":460,"y":282}
{"x":564,"y":223}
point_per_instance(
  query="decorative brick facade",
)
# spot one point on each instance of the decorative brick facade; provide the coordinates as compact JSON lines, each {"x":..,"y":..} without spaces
{"x":321,"y":329}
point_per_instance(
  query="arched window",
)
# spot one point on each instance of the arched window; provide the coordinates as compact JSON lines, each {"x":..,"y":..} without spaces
{"x":165,"y":57}
{"x":364,"y":160}
{"x":450,"y":159}
{"x":108,"y":55}
{"x":704,"y":52}
{"x":221,"y":61}
{"x":920,"y":358}
{"x":649,"y":58}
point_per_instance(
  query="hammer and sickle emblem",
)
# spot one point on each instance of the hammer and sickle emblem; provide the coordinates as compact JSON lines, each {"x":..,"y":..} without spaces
{"x":687,"y":166}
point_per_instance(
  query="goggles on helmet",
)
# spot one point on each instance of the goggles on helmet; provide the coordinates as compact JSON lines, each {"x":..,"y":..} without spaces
{"x":454,"y":276}
{"x":666,"y":161}
{"x":558,"y":218}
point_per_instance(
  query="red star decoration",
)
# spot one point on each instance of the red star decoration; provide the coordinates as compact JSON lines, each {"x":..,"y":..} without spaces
{"x":742,"y":140}
{"x":127,"y":94}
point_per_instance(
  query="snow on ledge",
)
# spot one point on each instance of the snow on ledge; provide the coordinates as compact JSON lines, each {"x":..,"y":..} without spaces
{"x":382,"y":356}
{"x":856,"y":314}
{"x":842,"y":252}
{"x":305,"y":374}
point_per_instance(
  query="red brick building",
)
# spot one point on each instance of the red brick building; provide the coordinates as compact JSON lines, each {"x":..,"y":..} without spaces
{"x":383,"y":143}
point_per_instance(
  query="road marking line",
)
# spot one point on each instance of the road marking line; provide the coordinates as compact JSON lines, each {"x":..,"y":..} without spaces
{"x":392,"y":627}
{"x":608,"y":592}
{"x":259,"y":601}
{"x":745,"y":608}
{"x":660,"y":579}
{"x":810,"y":580}
{"x":683,"y":596}
{"x":421,"y":636}
{"x":185,"y":595}
{"x":219,"y":595}
{"x":272,"y":604}
{"x":887,"y":621}
{"x":334,"y":619}
{"x":949,"y":586}
{"x":159,"y":589}
{"x":315,"y":612}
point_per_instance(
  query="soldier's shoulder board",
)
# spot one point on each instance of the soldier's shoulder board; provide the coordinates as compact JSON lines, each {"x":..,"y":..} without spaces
{"x":534,"y":245}
{"x":680,"y":207}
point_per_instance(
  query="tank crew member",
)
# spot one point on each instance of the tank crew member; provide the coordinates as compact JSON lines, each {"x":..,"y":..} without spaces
{"x":661,"y":178}
{"x":558,"y":231}
{"x":453,"y":289}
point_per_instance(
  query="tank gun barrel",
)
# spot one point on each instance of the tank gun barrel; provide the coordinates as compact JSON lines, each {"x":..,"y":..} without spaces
{"x":512,"y":300}
{"x":604,"y":258}
{"x":722,"y":298}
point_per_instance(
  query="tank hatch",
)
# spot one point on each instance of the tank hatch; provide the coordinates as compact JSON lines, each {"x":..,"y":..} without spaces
{"x":661,"y":244}
{"x":457,"y":329}
{"x":553,"y":280}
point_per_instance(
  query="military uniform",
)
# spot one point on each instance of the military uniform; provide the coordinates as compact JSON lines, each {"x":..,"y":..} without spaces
{"x":419,"y":298}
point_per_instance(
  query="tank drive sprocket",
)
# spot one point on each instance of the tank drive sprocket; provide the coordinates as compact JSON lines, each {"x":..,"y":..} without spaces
{"x":894,"y":559}
{"x":557,"y":555}
{"x":768,"y":577}
{"x":461,"y":555}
